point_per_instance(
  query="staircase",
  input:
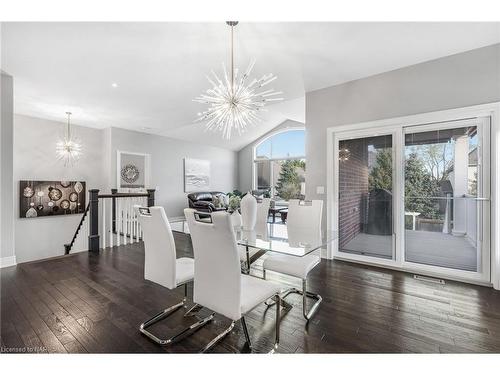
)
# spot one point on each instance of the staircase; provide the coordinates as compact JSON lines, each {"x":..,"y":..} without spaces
{"x":68,"y":246}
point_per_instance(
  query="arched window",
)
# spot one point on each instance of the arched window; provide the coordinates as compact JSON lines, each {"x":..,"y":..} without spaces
{"x":280,"y":165}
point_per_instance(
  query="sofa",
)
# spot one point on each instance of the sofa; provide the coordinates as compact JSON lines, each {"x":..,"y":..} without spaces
{"x":204,"y":201}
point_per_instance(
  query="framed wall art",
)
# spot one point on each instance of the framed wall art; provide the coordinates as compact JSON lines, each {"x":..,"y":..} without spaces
{"x":132,"y":170}
{"x":196,"y":175}
{"x":51,"y":198}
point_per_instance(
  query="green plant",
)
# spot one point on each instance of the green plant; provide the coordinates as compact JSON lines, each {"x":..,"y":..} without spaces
{"x":234,"y":203}
{"x":289,"y":180}
{"x":381,"y":174}
{"x":235,"y":193}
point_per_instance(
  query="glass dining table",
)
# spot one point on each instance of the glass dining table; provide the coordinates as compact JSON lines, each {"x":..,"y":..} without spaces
{"x":274,"y":238}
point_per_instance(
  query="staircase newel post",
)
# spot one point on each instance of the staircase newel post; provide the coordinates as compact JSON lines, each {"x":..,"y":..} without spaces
{"x":113,"y":209}
{"x":151,"y":197}
{"x":94,"y":220}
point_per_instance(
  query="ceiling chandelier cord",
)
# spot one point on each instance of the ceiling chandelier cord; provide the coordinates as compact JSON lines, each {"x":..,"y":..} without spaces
{"x":232,"y":103}
{"x":232,"y":59}
{"x":68,"y":130}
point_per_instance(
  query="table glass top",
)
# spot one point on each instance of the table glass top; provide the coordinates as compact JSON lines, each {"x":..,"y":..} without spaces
{"x":277,"y":238}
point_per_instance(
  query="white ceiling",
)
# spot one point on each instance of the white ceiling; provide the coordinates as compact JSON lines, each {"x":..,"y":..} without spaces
{"x":161,"y":67}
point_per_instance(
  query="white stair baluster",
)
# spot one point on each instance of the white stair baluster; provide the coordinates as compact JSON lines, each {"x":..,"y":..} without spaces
{"x":119,"y":221}
{"x":111,"y":224}
{"x":103,"y":223}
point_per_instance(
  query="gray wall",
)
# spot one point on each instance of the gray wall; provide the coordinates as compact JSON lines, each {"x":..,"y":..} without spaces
{"x":245,"y":155}
{"x":167,"y":165}
{"x":35,"y":159}
{"x":34,"y":150}
{"x":455,"y":81}
{"x":6,"y":171}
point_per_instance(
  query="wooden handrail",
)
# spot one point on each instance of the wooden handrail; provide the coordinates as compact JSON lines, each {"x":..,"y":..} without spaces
{"x":123,"y":195}
{"x":68,"y":246}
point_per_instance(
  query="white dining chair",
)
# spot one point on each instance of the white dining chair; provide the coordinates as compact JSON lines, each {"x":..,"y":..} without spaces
{"x":219,"y":284}
{"x":248,"y":254}
{"x":162,"y":267}
{"x":304,"y":217}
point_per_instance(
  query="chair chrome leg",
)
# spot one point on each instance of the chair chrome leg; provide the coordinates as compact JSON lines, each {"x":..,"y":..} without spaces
{"x":304,"y":293}
{"x":248,"y":261}
{"x":165,"y":313}
{"x":212,"y":343}
{"x":193,"y":310}
{"x":245,"y":330}
{"x":277,"y":299}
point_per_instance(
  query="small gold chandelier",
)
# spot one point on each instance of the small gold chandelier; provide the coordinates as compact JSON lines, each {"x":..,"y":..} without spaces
{"x":68,"y":149}
{"x":232,"y":103}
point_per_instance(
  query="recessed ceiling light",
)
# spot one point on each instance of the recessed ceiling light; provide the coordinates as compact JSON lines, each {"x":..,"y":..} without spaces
{"x":114,"y":85}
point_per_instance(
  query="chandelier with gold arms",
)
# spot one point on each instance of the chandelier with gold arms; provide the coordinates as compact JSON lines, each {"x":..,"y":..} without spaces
{"x":233,"y":103}
{"x":68,"y":149}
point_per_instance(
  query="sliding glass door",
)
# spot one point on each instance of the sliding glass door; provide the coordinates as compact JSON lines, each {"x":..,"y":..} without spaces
{"x":365,"y":207}
{"x":415,"y":197}
{"x":445,"y":195}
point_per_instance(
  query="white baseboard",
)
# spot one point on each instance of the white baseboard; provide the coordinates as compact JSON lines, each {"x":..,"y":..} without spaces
{"x":8,"y":261}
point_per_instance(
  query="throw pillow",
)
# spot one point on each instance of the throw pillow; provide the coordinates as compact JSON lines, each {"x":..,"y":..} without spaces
{"x":218,"y":202}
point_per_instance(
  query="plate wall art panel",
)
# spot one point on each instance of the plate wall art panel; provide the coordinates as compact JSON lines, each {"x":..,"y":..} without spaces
{"x":196,"y":175}
{"x":133,"y":170}
{"x":51,"y":198}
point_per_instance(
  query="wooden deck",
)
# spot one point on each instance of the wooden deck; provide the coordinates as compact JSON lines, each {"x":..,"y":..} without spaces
{"x":95,"y":302}
{"x":432,"y":248}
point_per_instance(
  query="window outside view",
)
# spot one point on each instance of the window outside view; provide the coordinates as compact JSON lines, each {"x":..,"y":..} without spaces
{"x":280,"y":166}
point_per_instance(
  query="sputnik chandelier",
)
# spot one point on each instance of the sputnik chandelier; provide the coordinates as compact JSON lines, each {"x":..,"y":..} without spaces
{"x":68,"y":149}
{"x":233,"y":104}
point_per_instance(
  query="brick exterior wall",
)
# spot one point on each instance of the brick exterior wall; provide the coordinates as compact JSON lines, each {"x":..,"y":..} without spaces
{"x":353,"y":190}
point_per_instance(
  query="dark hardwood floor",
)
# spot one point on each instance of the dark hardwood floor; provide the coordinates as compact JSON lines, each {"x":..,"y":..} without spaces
{"x":95,"y":302}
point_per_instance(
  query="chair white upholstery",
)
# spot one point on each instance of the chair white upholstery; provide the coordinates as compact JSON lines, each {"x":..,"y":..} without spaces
{"x":160,"y":263}
{"x":162,"y":267}
{"x":262,"y":215}
{"x":291,"y":265}
{"x":219,"y":284}
{"x":304,"y":218}
{"x":263,"y":210}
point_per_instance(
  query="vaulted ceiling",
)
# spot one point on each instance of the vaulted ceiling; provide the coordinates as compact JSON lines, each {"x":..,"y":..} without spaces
{"x":159,"y":68}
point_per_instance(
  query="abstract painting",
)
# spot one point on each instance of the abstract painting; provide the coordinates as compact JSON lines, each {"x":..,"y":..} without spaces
{"x":196,"y":175}
{"x":51,"y":198}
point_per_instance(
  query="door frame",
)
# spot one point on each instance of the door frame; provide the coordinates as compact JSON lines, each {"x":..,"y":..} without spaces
{"x":396,"y":125}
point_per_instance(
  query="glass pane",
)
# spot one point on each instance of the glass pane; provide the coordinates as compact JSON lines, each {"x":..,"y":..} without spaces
{"x":365,"y":196}
{"x":263,"y":175}
{"x":289,"y":179}
{"x":263,"y":151}
{"x":441,"y":212}
{"x":289,"y":144}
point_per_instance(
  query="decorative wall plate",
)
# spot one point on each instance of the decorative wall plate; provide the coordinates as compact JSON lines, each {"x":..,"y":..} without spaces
{"x":64,"y":204}
{"x":78,"y":187}
{"x":65,"y":184}
{"x":31,"y":213}
{"x":55,"y":194}
{"x":28,"y":192}
{"x":130,"y":173}
{"x":73,"y":197}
